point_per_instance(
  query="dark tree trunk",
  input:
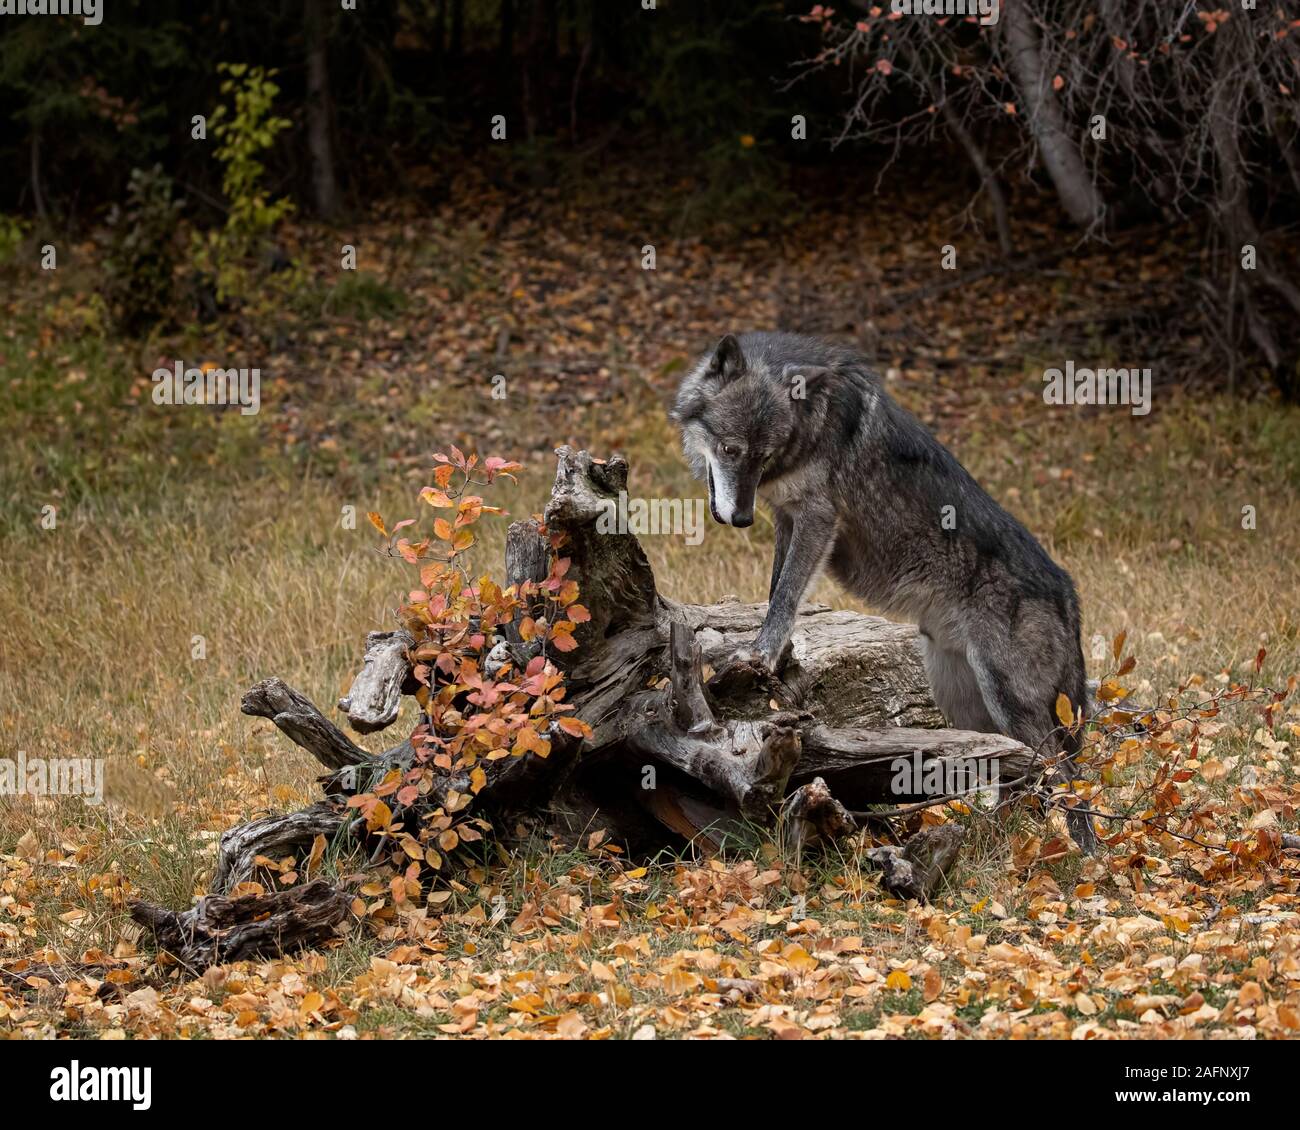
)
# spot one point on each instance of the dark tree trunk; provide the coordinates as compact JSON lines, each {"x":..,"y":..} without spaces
{"x":440,"y":32}
{"x":325,"y":189}
{"x":457,"y":29}
{"x":506,"y":29}
{"x":38,"y":193}
{"x":1060,"y":151}
{"x":1238,"y":222}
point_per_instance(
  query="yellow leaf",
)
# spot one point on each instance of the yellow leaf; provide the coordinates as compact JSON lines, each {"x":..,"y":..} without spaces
{"x":1064,"y":711}
{"x":318,"y":846}
{"x":799,"y":959}
{"x":898,"y":979}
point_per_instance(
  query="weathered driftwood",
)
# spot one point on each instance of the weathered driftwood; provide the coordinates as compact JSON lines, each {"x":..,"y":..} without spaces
{"x":746,"y":762}
{"x":272,"y":837}
{"x":811,"y":815}
{"x":687,"y":740}
{"x":859,"y":765}
{"x":915,"y":869}
{"x":217,"y":929}
{"x":376,"y":694}
{"x":299,"y":720}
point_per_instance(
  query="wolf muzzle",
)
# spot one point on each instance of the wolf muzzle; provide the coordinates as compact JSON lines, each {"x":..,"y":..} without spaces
{"x":741,"y":513}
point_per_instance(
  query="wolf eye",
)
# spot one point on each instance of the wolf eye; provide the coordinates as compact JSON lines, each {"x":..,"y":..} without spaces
{"x":730,"y":449}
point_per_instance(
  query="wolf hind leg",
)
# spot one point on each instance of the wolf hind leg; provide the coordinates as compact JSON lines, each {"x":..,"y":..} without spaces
{"x":954,"y":686}
{"x":1020,"y":703}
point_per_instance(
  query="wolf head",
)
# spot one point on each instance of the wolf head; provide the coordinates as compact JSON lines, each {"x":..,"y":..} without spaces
{"x":737,"y":410}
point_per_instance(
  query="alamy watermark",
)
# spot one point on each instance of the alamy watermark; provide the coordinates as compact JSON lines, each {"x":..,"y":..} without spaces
{"x":52,"y":776}
{"x":916,"y":776}
{"x":91,"y":11}
{"x":1073,"y":385}
{"x":988,"y":11}
{"x":641,"y":516}
{"x":76,"y":1083}
{"x":208,"y":384}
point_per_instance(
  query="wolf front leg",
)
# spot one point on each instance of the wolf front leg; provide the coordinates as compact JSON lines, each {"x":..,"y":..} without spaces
{"x":810,"y":540}
{"x":783,"y":520}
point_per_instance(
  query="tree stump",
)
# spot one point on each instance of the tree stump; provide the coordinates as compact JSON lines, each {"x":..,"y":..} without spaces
{"x":672,"y":754}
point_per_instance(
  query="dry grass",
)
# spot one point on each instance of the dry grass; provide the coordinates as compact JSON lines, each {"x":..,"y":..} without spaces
{"x":98,"y":620}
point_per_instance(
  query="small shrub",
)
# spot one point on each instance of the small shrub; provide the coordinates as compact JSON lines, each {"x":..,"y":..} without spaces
{"x":12,"y":233}
{"x":138,"y":282}
{"x":244,"y":130}
{"x":363,"y":296}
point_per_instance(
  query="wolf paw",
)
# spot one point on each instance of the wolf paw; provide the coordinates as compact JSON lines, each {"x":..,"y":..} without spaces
{"x":774,"y":661}
{"x":744,"y":670}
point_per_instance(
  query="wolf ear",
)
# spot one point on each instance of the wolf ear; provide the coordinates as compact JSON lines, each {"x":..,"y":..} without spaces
{"x":802,"y":380}
{"x":728,"y":361}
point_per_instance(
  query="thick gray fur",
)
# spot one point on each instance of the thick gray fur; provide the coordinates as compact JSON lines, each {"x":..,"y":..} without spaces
{"x":859,"y":486}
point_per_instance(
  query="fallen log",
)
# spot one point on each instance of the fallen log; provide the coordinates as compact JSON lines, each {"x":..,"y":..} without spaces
{"x":272,"y":837}
{"x":686,"y":741}
{"x":218,"y":929}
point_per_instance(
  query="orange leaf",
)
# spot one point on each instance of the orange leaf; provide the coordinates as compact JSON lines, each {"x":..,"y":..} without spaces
{"x":380,"y":816}
{"x":574,"y":726}
{"x":1064,"y":711}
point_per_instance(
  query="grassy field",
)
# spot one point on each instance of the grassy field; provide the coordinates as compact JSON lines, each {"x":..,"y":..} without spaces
{"x":197,"y":551}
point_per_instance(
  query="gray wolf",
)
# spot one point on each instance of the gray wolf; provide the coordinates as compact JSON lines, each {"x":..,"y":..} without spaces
{"x":857,"y":485}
